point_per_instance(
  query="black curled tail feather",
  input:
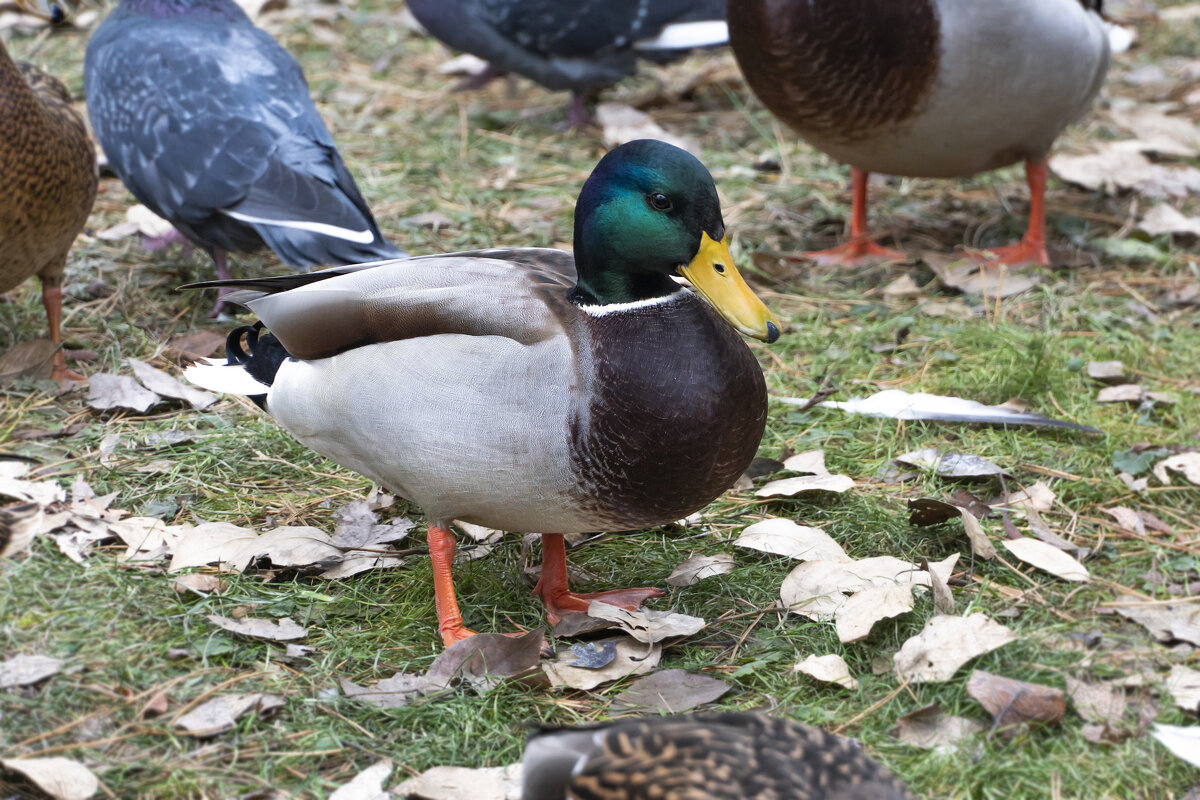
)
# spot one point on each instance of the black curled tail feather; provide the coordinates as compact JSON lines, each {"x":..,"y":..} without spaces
{"x":261,"y":355}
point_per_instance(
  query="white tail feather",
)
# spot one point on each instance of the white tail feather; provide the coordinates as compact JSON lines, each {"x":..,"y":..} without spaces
{"x":364,"y":236}
{"x":217,"y":376}
{"x":685,"y":35}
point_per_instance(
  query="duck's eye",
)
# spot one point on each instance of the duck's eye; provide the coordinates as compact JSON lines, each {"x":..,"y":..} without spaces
{"x":659,"y":201}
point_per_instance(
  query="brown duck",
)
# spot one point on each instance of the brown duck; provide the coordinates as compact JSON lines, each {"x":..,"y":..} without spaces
{"x":47,"y":182}
{"x":742,"y":756}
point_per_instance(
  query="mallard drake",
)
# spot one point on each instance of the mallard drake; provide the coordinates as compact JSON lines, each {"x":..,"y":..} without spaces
{"x":927,"y":88}
{"x":742,"y":756}
{"x":529,"y":389}
{"x":208,"y":122}
{"x":47,"y":182}
{"x":580,"y":47}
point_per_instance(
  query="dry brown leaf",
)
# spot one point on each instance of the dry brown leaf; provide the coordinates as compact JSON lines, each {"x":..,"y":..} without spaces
{"x":791,"y":487}
{"x":1122,"y":393}
{"x":811,"y":462}
{"x":60,"y":778}
{"x":783,"y":537}
{"x":968,"y":277}
{"x":1107,"y":371}
{"x":1106,"y":706}
{"x":1127,"y":518}
{"x":234,"y":549}
{"x":196,"y":345}
{"x":118,"y":391}
{"x":830,"y":668}
{"x":145,"y":538}
{"x":645,"y":625}
{"x":1184,"y":686}
{"x":697,"y":568}
{"x":163,"y":384}
{"x":1047,"y":558}
{"x":462,"y":783}
{"x":1120,"y":166}
{"x":946,"y":643}
{"x":939,"y":583}
{"x":1039,"y":497}
{"x":1012,"y":702}
{"x":855,"y":617}
{"x":980,"y":542}
{"x":1164,"y":219}
{"x":221,"y":714}
{"x":487,"y":658}
{"x":366,"y":785}
{"x":23,"y":670}
{"x":621,"y":123}
{"x":1158,"y":133}
{"x":399,"y":690}
{"x":633,"y":658}
{"x":44,"y":493}
{"x":1164,"y":621}
{"x":198,"y":582}
{"x":904,"y":286}
{"x":930,"y":728}
{"x":32,"y":358}
{"x":1187,"y":463}
{"x":284,"y":630}
{"x":817,"y":589}
{"x":672,"y":691}
{"x":951,"y":465}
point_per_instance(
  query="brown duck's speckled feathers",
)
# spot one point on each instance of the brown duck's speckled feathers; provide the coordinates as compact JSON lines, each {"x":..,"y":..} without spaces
{"x":18,"y":525}
{"x":743,"y":756}
{"x":47,"y":174}
{"x":819,"y":68}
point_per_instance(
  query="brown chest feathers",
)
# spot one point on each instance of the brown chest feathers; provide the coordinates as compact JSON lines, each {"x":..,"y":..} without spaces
{"x":820,"y":70}
{"x":675,"y":414}
{"x":47,"y":174}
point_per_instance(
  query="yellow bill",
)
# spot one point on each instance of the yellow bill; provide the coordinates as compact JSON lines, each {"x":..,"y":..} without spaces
{"x":716,"y":278}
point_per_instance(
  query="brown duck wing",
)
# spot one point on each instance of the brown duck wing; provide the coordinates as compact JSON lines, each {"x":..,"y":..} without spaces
{"x":522,"y":297}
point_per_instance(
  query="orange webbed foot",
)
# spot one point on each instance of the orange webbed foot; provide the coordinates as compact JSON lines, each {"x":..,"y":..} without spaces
{"x":856,"y":252}
{"x":1024,"y":254}
{"x":559,"y":603}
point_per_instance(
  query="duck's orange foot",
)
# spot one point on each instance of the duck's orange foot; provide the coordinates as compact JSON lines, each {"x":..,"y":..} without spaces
{"x":453,"y":634}
{"x":856,"y":252}
{"x":64,"y":375}
{"x":1027,"y":252}
{"x":563,"y":602}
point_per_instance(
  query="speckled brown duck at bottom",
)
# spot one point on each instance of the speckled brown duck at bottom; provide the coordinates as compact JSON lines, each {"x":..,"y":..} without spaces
{"x":742,"y":756}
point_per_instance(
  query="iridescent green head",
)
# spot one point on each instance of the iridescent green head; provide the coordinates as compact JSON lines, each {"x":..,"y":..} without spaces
{"x":649,"y":211}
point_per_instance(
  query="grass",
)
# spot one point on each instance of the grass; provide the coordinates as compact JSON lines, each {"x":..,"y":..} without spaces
{"x":499,"y":168}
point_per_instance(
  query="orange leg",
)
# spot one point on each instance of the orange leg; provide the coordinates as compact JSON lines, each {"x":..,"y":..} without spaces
{"x":441,"y":552}
{"x":52,"y":302}
{"x":558,"y":599}
{"x":858,"y":249}
{"x":1032,"y":248}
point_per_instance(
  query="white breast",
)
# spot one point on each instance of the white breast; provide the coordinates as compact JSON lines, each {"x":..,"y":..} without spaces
{"x":422,"y":418}
{"x":1012,"y":75}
